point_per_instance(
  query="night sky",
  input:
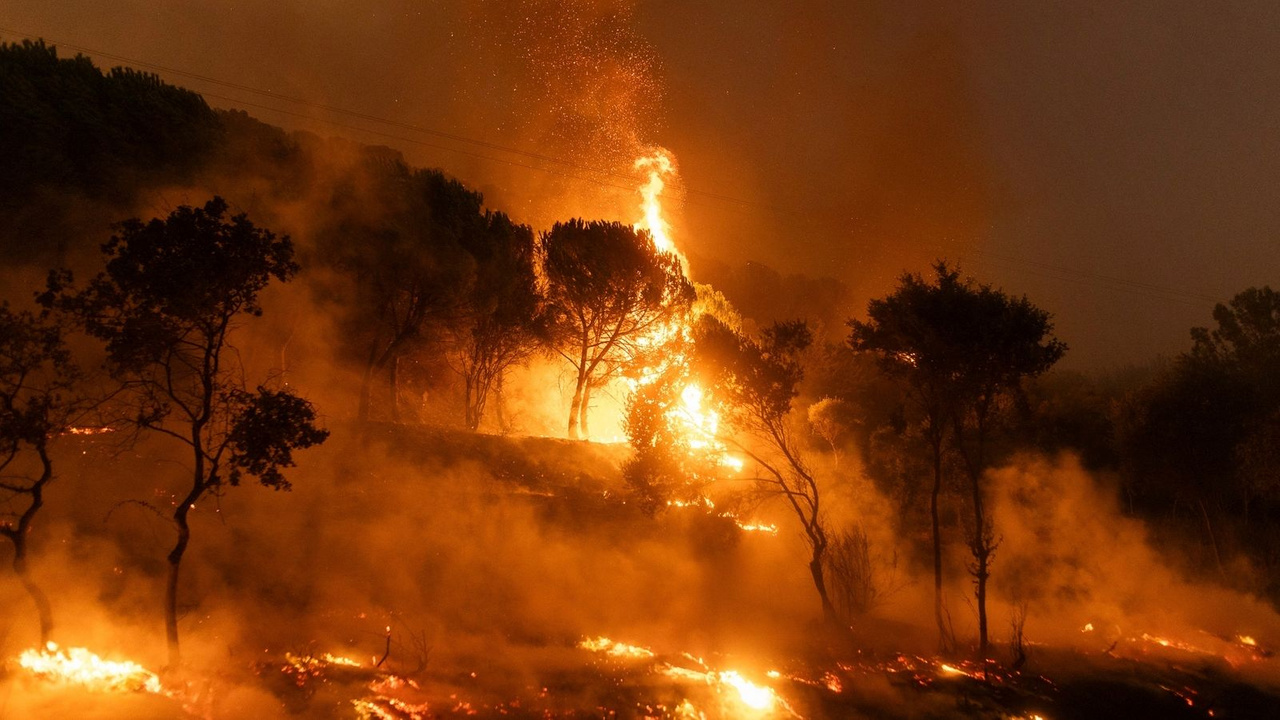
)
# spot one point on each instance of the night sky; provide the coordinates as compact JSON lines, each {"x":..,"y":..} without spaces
{"x":1117,"y":164}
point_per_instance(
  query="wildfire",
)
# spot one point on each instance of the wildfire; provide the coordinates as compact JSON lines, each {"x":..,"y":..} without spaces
{"x":89,"y":430}
{"x":78,"y":666}
{"x":768,"y":528}
{"x":615,"y":649}
{"x":694,"y":419}
{"x":656,"y":167}
{"x":760,"y":698}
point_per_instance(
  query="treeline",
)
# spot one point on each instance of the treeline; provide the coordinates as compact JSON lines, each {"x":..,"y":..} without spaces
{"x":1190,"y":444}
{"x":433,"y":294}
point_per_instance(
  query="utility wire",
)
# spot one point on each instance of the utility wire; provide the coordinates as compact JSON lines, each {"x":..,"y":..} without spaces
{"x":386,"y":121}
{"x":1042,"y":269}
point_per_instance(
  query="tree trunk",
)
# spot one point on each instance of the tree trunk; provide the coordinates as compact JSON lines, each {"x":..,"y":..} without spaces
{"x":575,"y":406}
{"x":41,"y":600}
{"x":937,"y":543}
{"x":175,"y":565}
{"x":393,"y":386}
{"x":829,"y":614}
{"x":366,"y":386}
{"x":171,"y":586}
{"x":1213,"y":539}
{"x":471,"y":417}
{"x":981,"y":569}
{"x":582,"y":414}
{"x":983,"y":545}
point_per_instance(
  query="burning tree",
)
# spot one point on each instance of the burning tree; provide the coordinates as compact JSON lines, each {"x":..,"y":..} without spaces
{"x":609,"y":291}
{"x":671,"y":424}
{"x":960,"y":349}
{"x":36,"y":377}
{"x":758,"y":380}
{"x":172,"y":293}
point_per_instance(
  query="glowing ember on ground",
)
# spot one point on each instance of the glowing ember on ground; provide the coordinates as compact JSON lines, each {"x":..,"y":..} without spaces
{"x":769,"y":528}
{"x":389,"y":709}
{"x":760,"y":698}
{"x":616,"y":649}
{"x":78,"y":666}
{"x":686,"y":711}
{"x":757,"y":697}
{"x":89,"y":430}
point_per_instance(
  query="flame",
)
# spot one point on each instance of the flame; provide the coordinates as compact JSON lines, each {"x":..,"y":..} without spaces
{"x":615,"y":649}
{"x":76,"y":430}
{"x":756,"y":697}
{"x":768,"y":528}
{"x":78,"y":666}
{"x":656,"y":167}
{"x":760,"y":698}
{"x":686,"y":711}
{"x":697,"y":425}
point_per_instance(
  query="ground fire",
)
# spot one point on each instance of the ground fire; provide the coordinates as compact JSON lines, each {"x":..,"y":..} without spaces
{"x":615,"y":360}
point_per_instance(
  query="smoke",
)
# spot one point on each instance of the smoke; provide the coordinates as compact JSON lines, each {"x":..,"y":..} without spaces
{"x":1076,"y":560}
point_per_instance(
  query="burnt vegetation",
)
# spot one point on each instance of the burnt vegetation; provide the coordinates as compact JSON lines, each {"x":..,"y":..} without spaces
{"x":325,"y":316}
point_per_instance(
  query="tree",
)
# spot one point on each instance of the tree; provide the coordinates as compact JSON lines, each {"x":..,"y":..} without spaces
{"x":400,"y":241}
{"x":675,"y":453}
{"x":36,"y":378}
{"x":171,"y":295}
{"x":498,"y":327}
{"x":1198,"y":434}
{"x":608,"y":290}
{"x":959,"y":348}
{"x":758,"y":381}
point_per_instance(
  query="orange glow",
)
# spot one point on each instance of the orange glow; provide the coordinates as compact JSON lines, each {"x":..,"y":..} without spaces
{"x":78,"y":666}
{"x":657,"y":167}
{"x":616,"y":649}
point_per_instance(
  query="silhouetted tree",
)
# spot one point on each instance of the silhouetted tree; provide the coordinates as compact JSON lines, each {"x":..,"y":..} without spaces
{"x":69,"y":130}
{"x":1196,"y":436}
{"x":172,"y":293}
{"x":608,"y":288}
{"x":960,"y":348}
{"x":401,"y":243}
{"x":36,"y":381}
{"x":758,"y":381}
{"x":499,"y":321}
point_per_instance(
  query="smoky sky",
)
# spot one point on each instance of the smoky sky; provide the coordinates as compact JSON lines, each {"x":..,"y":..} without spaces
{"x":1117,"y":162}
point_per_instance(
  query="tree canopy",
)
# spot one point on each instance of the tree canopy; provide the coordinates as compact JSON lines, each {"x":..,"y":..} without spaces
{"x":165,"y":306}
{"x":608,"y":289}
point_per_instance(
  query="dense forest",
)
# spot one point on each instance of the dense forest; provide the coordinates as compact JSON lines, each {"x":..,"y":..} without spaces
{"x":175,"y":272}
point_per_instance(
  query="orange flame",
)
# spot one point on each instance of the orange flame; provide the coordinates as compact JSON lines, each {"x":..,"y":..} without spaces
{"x":657,"y":167}
{"x":78,"y":666}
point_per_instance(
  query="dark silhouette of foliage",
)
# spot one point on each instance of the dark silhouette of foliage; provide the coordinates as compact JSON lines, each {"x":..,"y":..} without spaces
{"x":758,"y":380}
{"x":65,"y":124}
{"x":402,"y":242}
{"x":499,"y":320}
{"x":172,"y":293}
{"x":37,"y":378}
{"x":960,"y":348}
{"x":608,"y":288}
{"x":1196,"y":437}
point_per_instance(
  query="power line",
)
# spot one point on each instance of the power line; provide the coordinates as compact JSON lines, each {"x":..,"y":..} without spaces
{"x":391,"y":122}
{"x":1084,"y":277}
{"x":1041,"y":269}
